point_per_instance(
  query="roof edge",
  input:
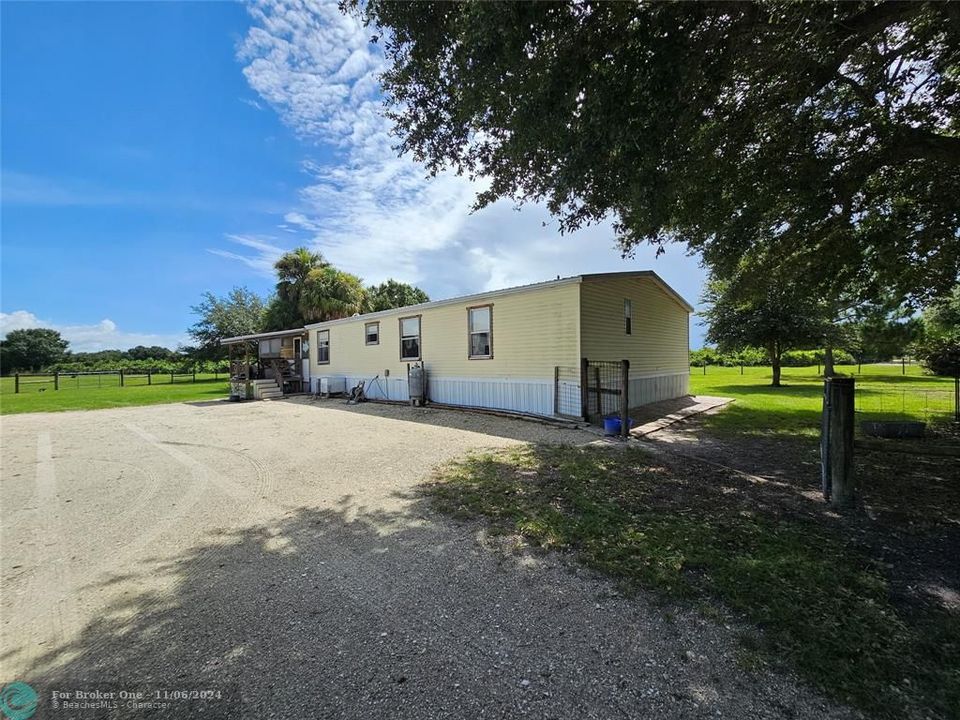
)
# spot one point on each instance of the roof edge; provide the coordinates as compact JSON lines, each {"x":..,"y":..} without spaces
{"x":649,"y":274}
{"x":262,"y":336}
{"x":447,"y":301}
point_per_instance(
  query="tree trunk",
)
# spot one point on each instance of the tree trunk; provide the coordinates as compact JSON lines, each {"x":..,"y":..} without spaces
{"x":774,"y":351}
{"x":828,"y":361}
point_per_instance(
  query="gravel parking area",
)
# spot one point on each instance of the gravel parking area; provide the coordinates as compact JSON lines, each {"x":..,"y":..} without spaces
{"x":280,"y":551}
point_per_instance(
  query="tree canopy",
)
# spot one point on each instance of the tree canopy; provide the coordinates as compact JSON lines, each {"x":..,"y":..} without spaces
{"x":240,"y":312}
{"x":939,"y":347}
{"x":329,"y":294}
{"x":774,"y":317}
{"x":824,"y":133}
{"x":32,"y":349}
{"x":394,"y":294}
{"x":309,"y":289}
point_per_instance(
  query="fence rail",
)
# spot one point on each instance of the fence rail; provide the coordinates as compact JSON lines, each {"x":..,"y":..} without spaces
{"x":87,"y":379}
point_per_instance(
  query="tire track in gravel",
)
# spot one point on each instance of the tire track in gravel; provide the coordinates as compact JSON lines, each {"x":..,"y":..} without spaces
{"x":51,"y":589}
{"x":202,"y":480}
{"x":382,"y":575}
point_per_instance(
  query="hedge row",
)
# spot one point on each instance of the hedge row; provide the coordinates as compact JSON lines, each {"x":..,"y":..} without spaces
{"x":176,"y":366}
{"x":758,"y":357}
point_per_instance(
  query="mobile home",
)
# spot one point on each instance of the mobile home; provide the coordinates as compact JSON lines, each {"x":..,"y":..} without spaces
{"x":520,"y":349}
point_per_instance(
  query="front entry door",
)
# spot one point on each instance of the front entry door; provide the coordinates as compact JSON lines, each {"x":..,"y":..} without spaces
{"x":304,"y":360}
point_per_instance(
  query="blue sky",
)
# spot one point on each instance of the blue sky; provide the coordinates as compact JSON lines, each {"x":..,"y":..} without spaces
{"x":153,"y":151}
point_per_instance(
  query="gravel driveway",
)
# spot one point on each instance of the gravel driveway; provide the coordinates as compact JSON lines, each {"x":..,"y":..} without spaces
{"x":278,"y":551}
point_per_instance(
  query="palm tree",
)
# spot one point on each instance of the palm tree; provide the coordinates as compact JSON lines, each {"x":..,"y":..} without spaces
{"x":293,"y":268}
{"x":329,"y":294}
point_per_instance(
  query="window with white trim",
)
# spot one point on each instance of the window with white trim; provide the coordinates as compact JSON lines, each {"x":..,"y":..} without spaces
{"x":628,"y":317}
{"x":323,"y":347}
{"x":480,"y":330}
{"x":410,"y":338}
{"x":371,"y":332}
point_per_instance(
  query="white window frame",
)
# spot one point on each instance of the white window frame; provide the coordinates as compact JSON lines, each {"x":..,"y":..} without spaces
{"x":418,"y":336}
{"x":321,"y":346}
{"x":366,"y":333}
{"x":470,"y":331}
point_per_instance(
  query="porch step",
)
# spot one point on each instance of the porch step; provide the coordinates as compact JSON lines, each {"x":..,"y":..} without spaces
{"x":266,"y":389}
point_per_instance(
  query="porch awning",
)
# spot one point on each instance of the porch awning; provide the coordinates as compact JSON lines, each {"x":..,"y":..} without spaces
{"x":295,"y":332}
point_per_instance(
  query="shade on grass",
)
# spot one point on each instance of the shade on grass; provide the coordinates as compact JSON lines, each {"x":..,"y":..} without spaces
{"x":794,"y":409}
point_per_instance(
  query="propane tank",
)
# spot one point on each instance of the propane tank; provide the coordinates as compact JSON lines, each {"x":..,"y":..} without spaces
{"x":417,"y":381}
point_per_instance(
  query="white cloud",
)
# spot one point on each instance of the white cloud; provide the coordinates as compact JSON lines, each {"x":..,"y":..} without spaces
{"x":378,"y":215}
{"x":104,"y":335}
{"x":266,"y":253}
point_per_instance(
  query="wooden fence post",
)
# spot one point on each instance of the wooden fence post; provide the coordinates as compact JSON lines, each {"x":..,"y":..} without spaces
{"x":149,"y":376}
{"x":584,"y":389}
{"x":625,"y":398}
{"x":16,"y":382}
{"x":121,"y":377}
{"x":56,"y":379}
{"x":836,"y":442}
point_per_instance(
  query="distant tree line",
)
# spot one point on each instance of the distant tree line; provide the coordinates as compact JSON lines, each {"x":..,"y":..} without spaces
{"x":45,"y":350}
{"x":775,"y":330}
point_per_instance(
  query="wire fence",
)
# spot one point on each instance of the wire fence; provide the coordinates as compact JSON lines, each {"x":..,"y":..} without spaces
{"x":567,"y":398}
{"x":97,"y":379}
{"x":930,"y":406}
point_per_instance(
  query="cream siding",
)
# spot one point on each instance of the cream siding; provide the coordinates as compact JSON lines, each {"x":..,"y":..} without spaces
{"x":534,"y":329}
{"x":657,"y":348}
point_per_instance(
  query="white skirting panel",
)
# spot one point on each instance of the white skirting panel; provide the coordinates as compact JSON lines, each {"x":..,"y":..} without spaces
{"x":382,"y":388}
{"x":527,"y":395}
{"x":379,"y":389}
{"x":654,"y":388}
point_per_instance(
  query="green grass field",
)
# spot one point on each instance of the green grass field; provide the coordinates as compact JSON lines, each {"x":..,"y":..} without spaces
{"x":91,"y":392}
{"x":794,"y":409}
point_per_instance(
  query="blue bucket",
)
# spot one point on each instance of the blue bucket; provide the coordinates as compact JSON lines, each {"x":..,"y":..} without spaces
{"x":611,"y":425}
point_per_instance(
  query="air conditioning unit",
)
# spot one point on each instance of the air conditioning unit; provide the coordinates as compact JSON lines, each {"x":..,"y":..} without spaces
{"x":331,"y":385}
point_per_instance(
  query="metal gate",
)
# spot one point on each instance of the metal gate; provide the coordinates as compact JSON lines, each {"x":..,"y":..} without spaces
{"x":603,"y":382}
{"x":595,"y":390}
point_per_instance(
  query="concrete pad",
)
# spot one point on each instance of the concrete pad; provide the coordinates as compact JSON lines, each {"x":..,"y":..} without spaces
{"x":702,"y":403}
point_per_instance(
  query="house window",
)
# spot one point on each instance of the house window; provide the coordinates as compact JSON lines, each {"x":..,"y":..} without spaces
{"x":323,"y":347}
{"x":372,"y":333}
{"x":480,"y":329}
{"x":410,"y":338}
{"x":628,"y":317}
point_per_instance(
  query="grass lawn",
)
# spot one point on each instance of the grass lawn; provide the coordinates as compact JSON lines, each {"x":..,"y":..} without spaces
{"x":818,"y":588}
{"x":90,"y":392}
{"x":882,"y":393}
